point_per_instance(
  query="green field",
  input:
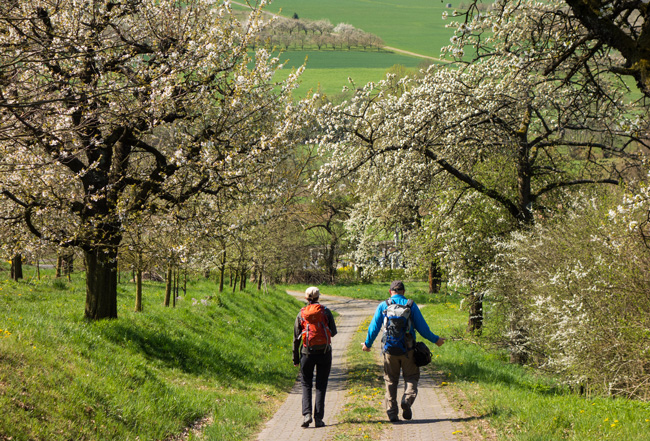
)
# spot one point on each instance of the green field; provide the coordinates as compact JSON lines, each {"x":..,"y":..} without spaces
{"x":328,"y":71}
{"x":415,"y":26}
{"x":412,"y":25}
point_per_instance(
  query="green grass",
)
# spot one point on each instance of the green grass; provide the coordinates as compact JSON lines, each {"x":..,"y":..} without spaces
{"x":520,"y":403}
{"x":363,"y":416}
{"x":414,"y":25}
{"x":328,"y":71}
{"x":418,"y":291}
{"x":145,"y":375}
{"x":329,"y":59}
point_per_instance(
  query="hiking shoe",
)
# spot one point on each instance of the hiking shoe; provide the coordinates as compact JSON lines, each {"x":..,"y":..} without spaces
{"x":306,"y":421}
{"x":406,"y":411}
{"x":319,"y":423}
{"x":393,"y":418}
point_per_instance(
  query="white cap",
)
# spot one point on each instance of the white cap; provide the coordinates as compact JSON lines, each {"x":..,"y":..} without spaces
{"x":312,"y":293}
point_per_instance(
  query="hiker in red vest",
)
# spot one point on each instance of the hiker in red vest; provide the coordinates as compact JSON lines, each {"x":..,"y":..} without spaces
{"x":315,"y":328}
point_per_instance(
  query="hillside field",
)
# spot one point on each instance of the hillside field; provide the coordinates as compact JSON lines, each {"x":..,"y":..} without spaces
{"x":328,"y":71}
{"x":413,"y":25}
{"x":416,"y":26}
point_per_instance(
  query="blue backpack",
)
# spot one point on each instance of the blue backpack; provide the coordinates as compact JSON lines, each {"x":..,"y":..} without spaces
{"x":397,"y":338}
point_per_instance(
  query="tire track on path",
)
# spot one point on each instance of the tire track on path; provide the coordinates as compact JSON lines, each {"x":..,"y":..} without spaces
{"x":285,"y":424}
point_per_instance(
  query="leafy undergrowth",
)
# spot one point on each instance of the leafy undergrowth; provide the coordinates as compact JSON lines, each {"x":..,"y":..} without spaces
{"x":145,"y":375}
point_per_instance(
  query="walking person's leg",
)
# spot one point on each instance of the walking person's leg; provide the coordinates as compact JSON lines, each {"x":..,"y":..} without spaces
{"x":392,"y":365}
{"x":323,"y":368}
{"x":307,"y":380}
{"x":411,"y":378}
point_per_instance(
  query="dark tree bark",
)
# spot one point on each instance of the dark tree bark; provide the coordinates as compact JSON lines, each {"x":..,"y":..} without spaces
{"x":176,"y":283}
{"x":59,"y":266}
{"x":222,"y":270}
{"x":234,"y":285}
{"x":475,"y":322}
{"x":17,"y":267}
{"x":168,"y":286}
{"x":68,"y":265}
{"x":101,"y":283}
{"x":435,"y":278}
{"x":138,"y":290}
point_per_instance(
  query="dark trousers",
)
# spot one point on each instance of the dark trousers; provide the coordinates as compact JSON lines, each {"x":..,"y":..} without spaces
{"x":323,"y":364}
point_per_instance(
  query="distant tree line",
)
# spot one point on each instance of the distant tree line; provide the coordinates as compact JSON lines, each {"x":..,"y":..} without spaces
{"x":296,"y":33}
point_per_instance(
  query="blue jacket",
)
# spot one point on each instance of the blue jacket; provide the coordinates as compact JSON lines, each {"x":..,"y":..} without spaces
{"x":419,"y":324}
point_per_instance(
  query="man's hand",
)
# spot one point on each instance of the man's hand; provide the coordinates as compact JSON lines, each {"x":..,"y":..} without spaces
{"x":440,"y":342}
{"x":365,"y":348}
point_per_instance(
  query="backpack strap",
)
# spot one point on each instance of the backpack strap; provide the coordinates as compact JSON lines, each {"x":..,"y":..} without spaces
{"x":410,"y":303}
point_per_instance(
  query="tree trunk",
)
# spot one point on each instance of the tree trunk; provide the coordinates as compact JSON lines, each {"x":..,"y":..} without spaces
{"x":101,"y":283}
{"x":259,"y":280}
{"x":222,"y":272}
{"x":518,"y":346}
{"x":68,"y":265}
{"x":168,"y":286}
{"x":330,"y":260}
{"x":435,"y":278}
{"x":242,"y":280}
{"x":176,"y":278}
{"x":475,"y":322}
{"x":59,"y":266}
{"x":138,"y":290}
{"x":17,"y":267}
{"x":222,"y":269}
{"x":234,"y":285}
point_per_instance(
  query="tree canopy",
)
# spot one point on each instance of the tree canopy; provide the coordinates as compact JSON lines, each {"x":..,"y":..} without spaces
{"x":113,"y":108}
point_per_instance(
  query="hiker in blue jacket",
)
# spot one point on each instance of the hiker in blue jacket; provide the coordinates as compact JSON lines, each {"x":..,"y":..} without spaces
{"x":312,"y":349}
{"x":395,"y":361}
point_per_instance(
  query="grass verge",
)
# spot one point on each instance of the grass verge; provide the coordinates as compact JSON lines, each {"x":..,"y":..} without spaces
{"x":145,"y":375}
{"x":363,"y":416}
{"x":519,"y":403}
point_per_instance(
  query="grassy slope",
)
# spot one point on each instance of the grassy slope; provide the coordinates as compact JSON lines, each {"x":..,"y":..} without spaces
{"x":144,"y":375}
{"x":517,"y":402}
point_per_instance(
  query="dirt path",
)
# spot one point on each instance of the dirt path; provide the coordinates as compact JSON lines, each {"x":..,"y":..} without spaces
{"x":432,"y":416}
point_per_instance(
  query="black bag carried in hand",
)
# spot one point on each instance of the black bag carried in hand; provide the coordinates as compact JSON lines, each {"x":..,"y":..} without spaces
{"x":421,"y":354}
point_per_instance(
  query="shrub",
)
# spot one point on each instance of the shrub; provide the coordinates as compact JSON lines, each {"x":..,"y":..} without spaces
{"x":573,"y":294}
{"x":59,"y":284}
{"x":387,"y":275}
